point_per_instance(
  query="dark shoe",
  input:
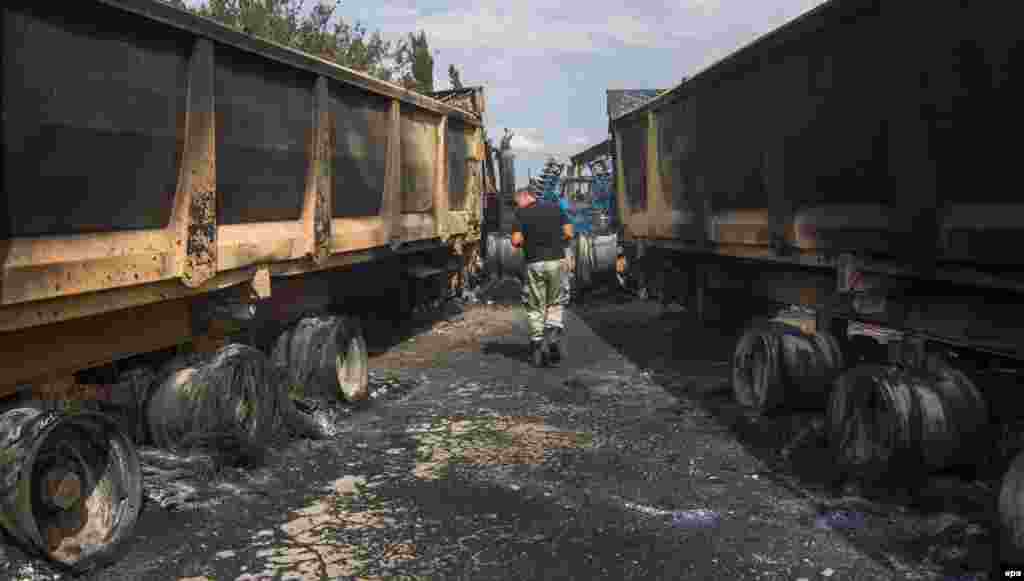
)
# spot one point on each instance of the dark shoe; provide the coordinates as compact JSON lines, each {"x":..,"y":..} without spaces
{"x":538,"y":355}
{"x":555,"y":338}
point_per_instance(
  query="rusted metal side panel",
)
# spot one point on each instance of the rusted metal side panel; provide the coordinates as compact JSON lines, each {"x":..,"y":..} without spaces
{"x":419,"y":139}
{"x":264,"y":112}
{"x":678,"y":170}
{"x":815,"y":141}
{"x":91,"y":119}
{"x":363,"y":123}
{"x":631,"y":141}
{"x":460,"y":140}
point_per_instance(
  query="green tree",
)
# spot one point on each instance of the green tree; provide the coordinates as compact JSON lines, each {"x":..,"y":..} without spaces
{"x":319,"y":32}
{"x":454,"y":77}
{"x":415,"y":64}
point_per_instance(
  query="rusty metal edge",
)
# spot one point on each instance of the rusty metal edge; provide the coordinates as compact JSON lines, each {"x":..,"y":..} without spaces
{"x":48,"y":311}
{"x":805,"y":23}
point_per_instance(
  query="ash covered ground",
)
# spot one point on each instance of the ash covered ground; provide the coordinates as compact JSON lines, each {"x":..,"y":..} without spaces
{"x":631,"y":461}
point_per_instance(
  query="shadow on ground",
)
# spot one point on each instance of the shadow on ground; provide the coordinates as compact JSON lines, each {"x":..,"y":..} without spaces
{"x":384,"y":328}
{"x":949,"y":529}
{"x":517,"y":351}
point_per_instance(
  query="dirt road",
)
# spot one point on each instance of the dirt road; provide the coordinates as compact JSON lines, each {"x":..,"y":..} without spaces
{"x":630,"y":462}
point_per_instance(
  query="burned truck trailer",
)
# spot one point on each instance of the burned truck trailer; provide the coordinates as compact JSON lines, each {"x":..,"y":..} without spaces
{"x":168,"y":179}
{"x":849,"y":163}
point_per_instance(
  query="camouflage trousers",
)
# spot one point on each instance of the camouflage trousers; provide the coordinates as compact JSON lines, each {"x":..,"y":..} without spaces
{"x":568,"y":268}
{"x":544,"y":296}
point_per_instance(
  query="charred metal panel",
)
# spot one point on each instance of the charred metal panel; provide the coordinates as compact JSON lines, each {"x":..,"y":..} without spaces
{"x":634,"y":163}
{"x":91,"y":119}
{"x":362,"y":124}
{"x":973,"y":91}
{"x":679,"y":169}
{"x":676,"y":143}
{"x":419,"y":159}
{"x":264,"y":125}
{"x":460,"y":154}
{"x":843,"y":148}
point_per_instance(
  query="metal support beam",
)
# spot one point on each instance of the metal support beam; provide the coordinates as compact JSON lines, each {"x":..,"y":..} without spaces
{"x":194,"y":217}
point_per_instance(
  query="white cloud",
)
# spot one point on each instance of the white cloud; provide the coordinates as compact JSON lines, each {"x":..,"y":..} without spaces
{"x":547,"y":63}
{"x":525,"y":144}
{"x":633,"y":30}
{"x":505,"y":27}
{"x":530,"y":144}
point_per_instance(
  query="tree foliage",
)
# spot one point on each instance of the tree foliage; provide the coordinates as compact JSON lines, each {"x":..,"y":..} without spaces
{"x":414,"y":63}
{"x":322,"y":32}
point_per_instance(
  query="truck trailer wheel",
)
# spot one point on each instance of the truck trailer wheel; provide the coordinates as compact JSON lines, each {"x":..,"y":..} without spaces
{"x":71,"y":485}
{"x":325,"y":357}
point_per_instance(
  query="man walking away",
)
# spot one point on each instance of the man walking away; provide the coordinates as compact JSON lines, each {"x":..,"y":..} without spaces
{"x":542,"y":230}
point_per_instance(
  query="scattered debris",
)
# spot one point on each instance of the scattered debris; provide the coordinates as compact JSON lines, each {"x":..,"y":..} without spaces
{"x":840,"y":519}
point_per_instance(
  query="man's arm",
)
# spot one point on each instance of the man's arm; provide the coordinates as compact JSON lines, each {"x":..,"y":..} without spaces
{"x":563,"y":219}
{"x":517,"y":232}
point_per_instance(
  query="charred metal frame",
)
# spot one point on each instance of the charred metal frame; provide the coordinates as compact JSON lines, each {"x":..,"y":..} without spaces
{"x":954,"y":303}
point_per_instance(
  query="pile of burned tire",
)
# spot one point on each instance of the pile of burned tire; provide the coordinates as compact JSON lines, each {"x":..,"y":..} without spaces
{"x":70,"y":477}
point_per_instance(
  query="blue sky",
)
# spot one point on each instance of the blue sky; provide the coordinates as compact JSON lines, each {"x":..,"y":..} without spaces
{"x":545,"y":64}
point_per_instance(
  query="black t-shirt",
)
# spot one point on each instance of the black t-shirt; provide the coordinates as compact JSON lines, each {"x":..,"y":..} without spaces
{"x":541,"y":225}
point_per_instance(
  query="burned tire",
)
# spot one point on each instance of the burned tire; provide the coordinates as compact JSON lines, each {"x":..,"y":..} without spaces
{"x":235,"y":395}
{"x":1011,"y":514}
{"x":778,"y":367}
{"x":885,"y":421}
{"x":325,"y":358}
{"x":71,"y":485}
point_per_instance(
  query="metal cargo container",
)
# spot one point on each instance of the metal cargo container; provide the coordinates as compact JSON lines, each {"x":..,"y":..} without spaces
{"x":153,"y":158}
